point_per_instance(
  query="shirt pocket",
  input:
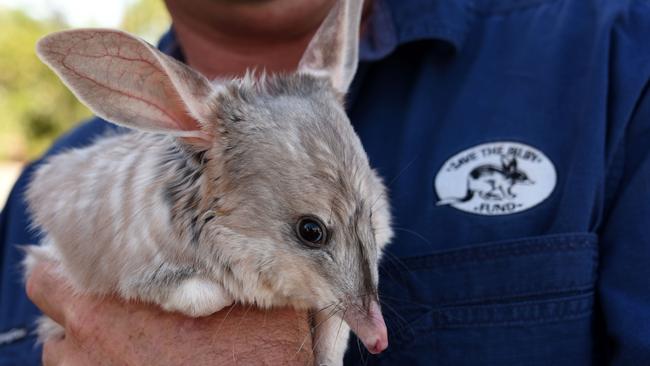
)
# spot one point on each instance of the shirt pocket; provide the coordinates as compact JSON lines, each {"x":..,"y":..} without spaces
{"x":519,"y":302}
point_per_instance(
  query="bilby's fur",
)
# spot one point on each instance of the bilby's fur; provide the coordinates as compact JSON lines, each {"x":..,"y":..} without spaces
{"x":195,"y":215}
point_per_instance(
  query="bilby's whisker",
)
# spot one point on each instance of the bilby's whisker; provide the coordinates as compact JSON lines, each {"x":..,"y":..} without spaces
{"x":408,"y":165}
{"x":415,"y":233}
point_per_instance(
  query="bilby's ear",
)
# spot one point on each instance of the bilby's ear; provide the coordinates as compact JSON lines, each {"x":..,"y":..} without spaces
{"x":127,"y":81}
{"x":509,"y":162}
{"x":334,"y":50}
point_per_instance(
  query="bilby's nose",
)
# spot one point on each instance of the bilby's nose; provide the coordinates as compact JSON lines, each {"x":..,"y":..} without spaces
{"x":369,"y":327}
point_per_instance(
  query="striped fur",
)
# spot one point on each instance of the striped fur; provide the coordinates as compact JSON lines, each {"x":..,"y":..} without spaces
{"x":197,"y":209}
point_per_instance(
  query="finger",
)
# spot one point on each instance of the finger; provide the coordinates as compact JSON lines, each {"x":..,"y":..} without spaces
{"x":49,"y":291}
{"x":53,"y":352}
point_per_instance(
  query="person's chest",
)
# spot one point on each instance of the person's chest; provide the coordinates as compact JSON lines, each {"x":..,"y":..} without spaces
{"x":496,"y":160}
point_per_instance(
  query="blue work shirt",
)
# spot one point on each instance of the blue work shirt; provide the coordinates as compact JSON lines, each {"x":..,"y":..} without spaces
{"x":515,"y":138}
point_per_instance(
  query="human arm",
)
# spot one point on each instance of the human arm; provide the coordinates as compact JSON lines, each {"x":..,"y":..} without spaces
{"x":112,"y":332}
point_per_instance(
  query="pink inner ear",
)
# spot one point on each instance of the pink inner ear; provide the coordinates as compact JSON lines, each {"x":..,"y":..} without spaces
{"x":124,"y":80}
{"x":180,"y":115}
{"x":333,"y":52}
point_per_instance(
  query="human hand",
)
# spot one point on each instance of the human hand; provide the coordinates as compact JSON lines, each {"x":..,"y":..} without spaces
{"x":109,"y":331}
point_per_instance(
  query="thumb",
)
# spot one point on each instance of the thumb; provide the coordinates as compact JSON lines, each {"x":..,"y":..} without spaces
{"x":49,"y":291}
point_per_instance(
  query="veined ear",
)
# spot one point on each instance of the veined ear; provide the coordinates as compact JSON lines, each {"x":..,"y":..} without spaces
{"x":334,"y":50}
{"x":127,"y":81}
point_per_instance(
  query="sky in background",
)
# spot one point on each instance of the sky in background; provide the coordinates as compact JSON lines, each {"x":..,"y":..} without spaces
{"x":77,"y":13}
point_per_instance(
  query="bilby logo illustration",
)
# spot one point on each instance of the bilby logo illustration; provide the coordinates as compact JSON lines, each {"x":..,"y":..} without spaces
{"x":492,"y":182}
{"x":496,"y":178}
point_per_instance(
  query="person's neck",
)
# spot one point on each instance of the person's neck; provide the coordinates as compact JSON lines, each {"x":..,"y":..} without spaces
{"x":226,"y":38}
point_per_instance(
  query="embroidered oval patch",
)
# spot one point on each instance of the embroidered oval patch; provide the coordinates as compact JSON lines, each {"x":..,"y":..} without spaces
{"x":496,"y":178}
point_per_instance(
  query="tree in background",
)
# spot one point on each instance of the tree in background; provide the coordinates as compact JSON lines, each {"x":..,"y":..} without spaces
{"x":35,"y":107}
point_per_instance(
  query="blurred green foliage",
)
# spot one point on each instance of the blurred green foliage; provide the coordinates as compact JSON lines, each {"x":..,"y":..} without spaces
{"x":146,"y":18}
{"x":35,"y":107}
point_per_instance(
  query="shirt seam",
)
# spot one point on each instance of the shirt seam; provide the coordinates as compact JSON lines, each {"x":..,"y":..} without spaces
{"x":539,"y":312}
{"x":506,"y":7}
{"x":506,"y":297}
{"x":505,"y":249}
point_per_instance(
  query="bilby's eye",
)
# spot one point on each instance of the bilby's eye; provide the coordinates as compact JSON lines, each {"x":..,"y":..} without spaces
{"x":311,"y":231}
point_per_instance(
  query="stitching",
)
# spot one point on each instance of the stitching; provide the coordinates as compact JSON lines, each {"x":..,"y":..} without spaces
{"x":510,"y":294}
{"x":523,"y":322}
{"x":418,"y":266}
{"x":527,"y":313}
{"x":549,"y":310}
{"x":505,"y":7}
{"x":506,"y":249}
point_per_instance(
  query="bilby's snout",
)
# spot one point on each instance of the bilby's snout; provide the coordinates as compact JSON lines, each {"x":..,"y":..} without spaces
{"x":369,"y":326}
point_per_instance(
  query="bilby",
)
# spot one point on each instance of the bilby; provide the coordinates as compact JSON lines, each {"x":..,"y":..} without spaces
{"x":254,"y":190}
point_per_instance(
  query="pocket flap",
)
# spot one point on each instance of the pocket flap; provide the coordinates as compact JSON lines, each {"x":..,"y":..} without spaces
{"x":462,"y":287}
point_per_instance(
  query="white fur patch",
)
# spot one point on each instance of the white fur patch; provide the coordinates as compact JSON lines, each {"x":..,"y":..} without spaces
{"x":48,"y":329}
{"x":197,"y":297}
